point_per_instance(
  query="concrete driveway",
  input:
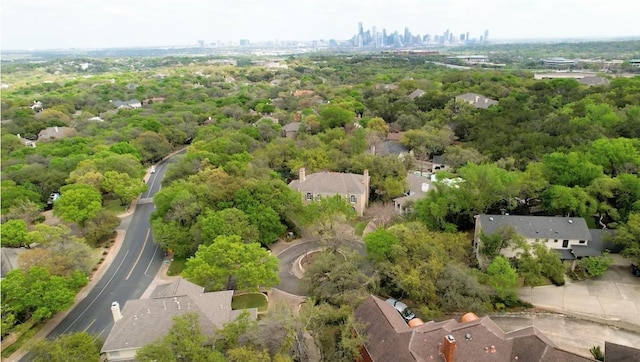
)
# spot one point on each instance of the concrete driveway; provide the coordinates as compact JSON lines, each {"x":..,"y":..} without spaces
{"x":613,"y":299}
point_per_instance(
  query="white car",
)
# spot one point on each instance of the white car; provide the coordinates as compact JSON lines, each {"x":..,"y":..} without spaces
{"x":152,"y":169}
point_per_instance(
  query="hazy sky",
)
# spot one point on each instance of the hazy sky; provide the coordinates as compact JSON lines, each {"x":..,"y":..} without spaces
{"x":45,"y":24}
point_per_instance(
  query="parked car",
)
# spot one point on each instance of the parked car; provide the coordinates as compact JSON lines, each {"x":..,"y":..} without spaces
{"x":402,"y":308}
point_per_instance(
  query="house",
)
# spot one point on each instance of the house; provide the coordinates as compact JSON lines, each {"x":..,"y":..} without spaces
{"x":390,"y":148}
{"x":144,"y":321}
{"x":566,"y":235}
{"x":130,"y":104}
{"x":476,"y":100}
{"x":290,"y":130}
{"x":27,"y":142}
{"x":54,"y":133}
{"x":558,"y":62}
{"x":386,"y":87}
{"x":438,"y":164}
{"x":390,"y":338}
{"x":416,"y":94}
{"x":614,"y":352}
{"x":352,"y":187}
{"x":303,"y":92}
{"x":418,"y":186}
{"x":634,"y":62}
{"x":37,"y":106}
{"x":153,"y":100}
{"x":267,"y":119}
{"x":591,"y":81}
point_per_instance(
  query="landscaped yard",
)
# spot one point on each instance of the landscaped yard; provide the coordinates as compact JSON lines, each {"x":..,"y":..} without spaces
{"x":176,"y":266}
{"x":113,"y":206}
{"x":250,"y":300}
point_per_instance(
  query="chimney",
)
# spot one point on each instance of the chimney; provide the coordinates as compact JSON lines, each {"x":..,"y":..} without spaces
{"x":449,"y":348}
{"x":115,"y":311}
{"x":302,"y":174}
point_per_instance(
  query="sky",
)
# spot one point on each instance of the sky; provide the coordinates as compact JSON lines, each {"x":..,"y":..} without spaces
{"x":55,"y":24}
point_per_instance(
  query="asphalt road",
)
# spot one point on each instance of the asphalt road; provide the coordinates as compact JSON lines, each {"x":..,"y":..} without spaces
{"x":288,"y":281}
{"x":128,"y":276}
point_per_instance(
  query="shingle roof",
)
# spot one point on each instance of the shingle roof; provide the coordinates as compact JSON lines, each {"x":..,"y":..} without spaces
{"x":477,"y":100}
{"x":291,"y":127}
{"x":389,"y":338}
{"x":146,"y":320}
{"x":386,"y":148}
{"x":331,"y":183}
{"x":416,"y":93}
{"x":51,"y":133}
{"x":591,"y":81}
{"x":620,"y":353}
{"x":538,"y":227}
{"x":600,"y":240}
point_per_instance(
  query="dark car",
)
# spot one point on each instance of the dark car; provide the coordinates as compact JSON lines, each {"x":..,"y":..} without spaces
{"x":402,"y":308}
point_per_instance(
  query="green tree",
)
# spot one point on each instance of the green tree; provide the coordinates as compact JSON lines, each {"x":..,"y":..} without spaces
{"x":596,"y":266}
{"x":564,"y":200}
{"x":152,"y":146}
{"x":123,"y":186}
{"x":380,"y":244}
{"x":185,"y":342}
{"x":14,"y":233}
{"x":619,"y":155}
{"x":36,"y":294}
{"x":572,"y":169}
{"x":335,"y":279}
{"x":504,"y":279}
{"x":628,"y":235}
{"x":226,"y":222}
{"x":229,"y":261}
{"x":458,"y":290}
{"x":78,"y":203}
{"x":74,"y":347}
{"x":503,"y":238}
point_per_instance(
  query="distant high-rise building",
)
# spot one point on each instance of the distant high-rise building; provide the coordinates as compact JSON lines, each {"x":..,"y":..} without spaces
{"x":467,"y":37}
{"x":244,"y":42}
{"x":486,"y":36}
{"x":360,"y":29}
{"x":462,"y":38}
{"x":407,"y":36}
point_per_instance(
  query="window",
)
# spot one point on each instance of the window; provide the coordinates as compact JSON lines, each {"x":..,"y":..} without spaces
{"x":309,"y":196}
{"x":555,"y":241}
{"x":352,"y":199}
{"x":582,"y":241}
{"x":565,"y":243}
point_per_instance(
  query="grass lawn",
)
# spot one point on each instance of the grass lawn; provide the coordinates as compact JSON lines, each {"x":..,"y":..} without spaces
{"x":251,"y":300}
{"x":114,"y":207}
{"x":176,"y":266}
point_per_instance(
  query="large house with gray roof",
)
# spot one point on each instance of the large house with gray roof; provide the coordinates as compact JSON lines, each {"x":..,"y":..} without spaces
{"x":144,"y":321}
{"x":476,"y":100}
{"x":569,"y":236}
{"x":390,"y":338}
{"x":352,"y":187}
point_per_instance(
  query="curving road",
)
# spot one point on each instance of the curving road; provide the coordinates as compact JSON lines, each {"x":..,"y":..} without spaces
{"x":288,"y":281}
{"x":130,"y":272}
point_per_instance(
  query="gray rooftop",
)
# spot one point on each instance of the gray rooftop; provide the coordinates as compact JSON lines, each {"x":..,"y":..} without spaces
{"x":291,"y":127}
{"x":146,"y":320}
{"x":538,"y":227}
{"x":331,"y":183}
{"x":477,"y":100}
{"x":416,"y":93}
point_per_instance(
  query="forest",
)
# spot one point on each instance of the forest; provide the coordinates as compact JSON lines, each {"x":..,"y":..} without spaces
{"x":89,"y":128}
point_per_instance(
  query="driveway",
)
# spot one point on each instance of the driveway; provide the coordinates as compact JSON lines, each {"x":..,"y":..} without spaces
{"x":613,"y":299}
{"x":289,"y":255}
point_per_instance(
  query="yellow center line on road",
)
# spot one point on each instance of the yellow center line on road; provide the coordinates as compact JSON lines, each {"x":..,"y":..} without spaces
{"x":139,"y":255}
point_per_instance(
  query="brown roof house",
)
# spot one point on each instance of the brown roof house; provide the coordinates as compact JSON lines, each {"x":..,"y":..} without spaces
{"x":55,"y":133}
{"x":390,"y":338}
{"x":352,"y":187}
{"x":144,"y":321}
{"x":476,"y":100}
{"x":290,"y":130}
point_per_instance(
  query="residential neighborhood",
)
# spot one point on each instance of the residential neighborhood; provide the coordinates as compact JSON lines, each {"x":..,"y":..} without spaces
{"x":237,"y":203}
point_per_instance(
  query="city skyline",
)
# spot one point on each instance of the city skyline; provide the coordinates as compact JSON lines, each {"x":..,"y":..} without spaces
{"x":55,"y":24}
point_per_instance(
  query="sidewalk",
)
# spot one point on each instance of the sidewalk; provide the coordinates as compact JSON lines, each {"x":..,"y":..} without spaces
{"x":93,"y":280}
{"x":613,"y":299}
